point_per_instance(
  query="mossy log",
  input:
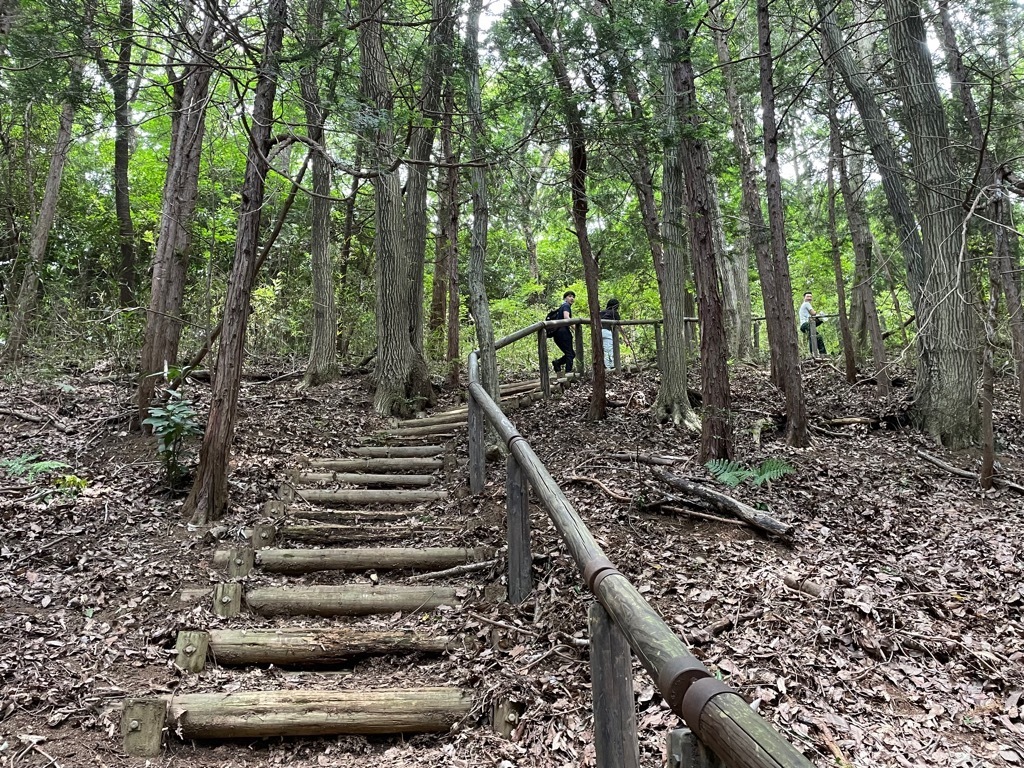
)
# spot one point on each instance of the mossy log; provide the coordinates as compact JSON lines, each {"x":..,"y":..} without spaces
{"x":310,"y":560}
{"x":316,"y":713}
{"x":346,"y":600}
{"x":316,"y":647}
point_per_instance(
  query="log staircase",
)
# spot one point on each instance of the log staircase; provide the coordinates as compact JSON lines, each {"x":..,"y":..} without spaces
{"x":315,"y":587}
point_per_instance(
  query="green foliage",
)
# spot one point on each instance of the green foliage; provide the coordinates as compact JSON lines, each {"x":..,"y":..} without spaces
{"x":172,"y":422}
{"x":732,"y":474}
{"x":72,"y":485}
{"x":26,"y":466}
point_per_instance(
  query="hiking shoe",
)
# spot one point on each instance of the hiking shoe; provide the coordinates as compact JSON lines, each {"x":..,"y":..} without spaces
{"x":557,"y":367}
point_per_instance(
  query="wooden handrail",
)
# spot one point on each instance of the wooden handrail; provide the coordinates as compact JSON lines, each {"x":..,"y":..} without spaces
{"x":719,"y":716}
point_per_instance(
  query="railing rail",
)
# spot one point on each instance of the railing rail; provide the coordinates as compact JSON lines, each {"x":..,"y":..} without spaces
{"x":718,"y":715}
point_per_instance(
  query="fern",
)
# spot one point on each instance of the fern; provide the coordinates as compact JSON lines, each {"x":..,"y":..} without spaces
{"x":770,"y":469}
{"x":26,"y":466}
{"x":728,"y":472}
{"x":732,"y":474}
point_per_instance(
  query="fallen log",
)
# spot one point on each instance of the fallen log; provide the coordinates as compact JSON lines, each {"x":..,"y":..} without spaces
{"x":997,"y":481}
{"x":357,"y":478}
{"x":723,"y":503}
{"x":398,"y":451}
{"x":645,"y":458}
{"x":390,"y":496}
{"x":311,"y":560}
{"x":346,"y":600}
{"x":316,"y":713}
{"x":312,"y":646}
{"x":377,"y":465}
{"x":848,"y":420}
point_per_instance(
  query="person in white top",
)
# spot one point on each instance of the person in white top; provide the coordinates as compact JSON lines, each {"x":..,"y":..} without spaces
{"x":807,"y":312}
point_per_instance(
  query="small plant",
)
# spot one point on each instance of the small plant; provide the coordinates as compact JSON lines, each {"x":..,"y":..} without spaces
{"x":72,"y":485}
{"x":172,"y":422}
{"x":26,"y":466}
{"x":732,"y":474}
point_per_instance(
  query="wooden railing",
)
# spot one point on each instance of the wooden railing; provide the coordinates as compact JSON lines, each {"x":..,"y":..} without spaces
{"x":621,"y":620}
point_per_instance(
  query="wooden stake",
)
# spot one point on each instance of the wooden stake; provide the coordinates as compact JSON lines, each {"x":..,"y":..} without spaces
{"x":192,"y":647}
{"x":611,"y":674}
{"x":542,"y":355}
{"x":239,"y":561}
{"x":227,"y":599}
{"x":263,"y":536}
{"x":686,"y":751}
{"x":142,"y":726}
{"x":520,"y":582}
{"x":477,"y":448}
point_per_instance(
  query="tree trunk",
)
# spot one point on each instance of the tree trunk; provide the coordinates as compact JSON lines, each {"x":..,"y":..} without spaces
{"x":174,"y":240}
{"x":946,"y":402}
{"x":757,"y":231}
{"x":578,"y":188}
{"x":28,"y":292}
{"x":322,"y":365}
{"x":779,"y":314}
{"x":421,"y":144}
{"x":836,"y":153}
{"x":478,"y":303}
{"x":449,"y":241}
{"x":716,"y":421}
{"x":402,"y":379}
{"x":673,"y":403}
{"x":208,"y":497}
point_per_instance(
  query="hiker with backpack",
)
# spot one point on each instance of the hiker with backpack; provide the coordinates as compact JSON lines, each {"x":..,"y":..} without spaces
{"x":610,"y":312}
{"x":563,"y":334}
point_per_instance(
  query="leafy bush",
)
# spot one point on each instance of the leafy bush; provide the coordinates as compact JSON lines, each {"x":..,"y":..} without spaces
{"x":172,"y":422}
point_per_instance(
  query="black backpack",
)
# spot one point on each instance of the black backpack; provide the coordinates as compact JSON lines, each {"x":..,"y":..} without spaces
{"x":554,"y":314}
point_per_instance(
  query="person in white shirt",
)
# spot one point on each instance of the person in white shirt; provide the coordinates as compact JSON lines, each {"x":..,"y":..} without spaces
{"x":807,"y":312}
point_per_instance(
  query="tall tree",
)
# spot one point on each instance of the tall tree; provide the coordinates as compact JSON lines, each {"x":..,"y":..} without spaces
{"x":322,"y":365}
{"x":580,"y":203}
{"x":778,"y":294}
{"x":189,"y":96}
{"x":402,"y":378}
{"x":209,"y":495}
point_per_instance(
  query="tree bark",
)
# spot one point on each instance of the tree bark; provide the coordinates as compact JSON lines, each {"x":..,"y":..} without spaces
{"x":478,"y":303}
{"x":672,"y":403}
{"x":836,"y":153}
{"x":322,"y":365}
{"x":578,"y":188}
{"x":208,"y":498}
{"x":716,"y":421}
{"x":402,"y":379}
{"x":946,"y":402}
{"x":450,"y":238}
{"x":174,"y":240}
{"x":28,"y":291}
{"x":780,"y":317}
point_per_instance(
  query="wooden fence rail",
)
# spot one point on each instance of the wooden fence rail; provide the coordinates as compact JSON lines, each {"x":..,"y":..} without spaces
{"x":717,"y":715}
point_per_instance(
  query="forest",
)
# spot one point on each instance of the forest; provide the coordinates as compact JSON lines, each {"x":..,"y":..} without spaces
{"x":205,"y":202}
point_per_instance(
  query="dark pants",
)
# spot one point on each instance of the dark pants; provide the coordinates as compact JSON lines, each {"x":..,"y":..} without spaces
{"x":821,"y":342}
{"x":563,"y":340}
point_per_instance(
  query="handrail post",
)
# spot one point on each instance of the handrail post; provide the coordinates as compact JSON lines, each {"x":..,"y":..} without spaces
{"x":584,"y":369}
{"x":477,"y":446}
{"x":520,"y":581}
{"x":686,"y":751}
{"x":757,"y":336}
{"x":657,"y":344}
{"x":617,"y":347}
{"x":542,"y":356}
{"x":812,"y":330}
{"x":611,"y":677}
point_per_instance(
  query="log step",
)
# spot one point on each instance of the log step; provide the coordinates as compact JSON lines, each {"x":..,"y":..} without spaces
{"x":378,"y":465}
{"x":346,"y":600}
{"x":262,"y":714}
{"x":311,"y":560}
{"x":399,"y":451}
{"x":359,"y":478}
{"x":342,"y":534}
{"x":295,"y":647}
{"x":353,"y":515}
{"x":389,"y":496}
{"x":433,"y":429}
{"x":452,"y":418}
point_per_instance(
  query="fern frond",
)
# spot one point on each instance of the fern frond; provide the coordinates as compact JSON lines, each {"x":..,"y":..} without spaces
{"x":728,"y":472}
{"x":770,"y":469}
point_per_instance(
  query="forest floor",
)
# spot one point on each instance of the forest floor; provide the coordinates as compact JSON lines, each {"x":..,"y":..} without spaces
{"x":912,"y":656}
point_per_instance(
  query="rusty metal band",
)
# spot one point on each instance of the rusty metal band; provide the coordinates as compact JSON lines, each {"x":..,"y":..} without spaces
{"x":676,"y":678}
{"x":596,"y":570}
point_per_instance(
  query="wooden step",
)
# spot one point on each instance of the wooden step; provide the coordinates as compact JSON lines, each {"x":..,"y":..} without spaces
{"x":353,"y":515}
{"x":445,"y":417}
{"x":313,"y":646}
{"x":342,"y":534}
{"x":388,"y":496}
{"x":310,"y":560}
{"x":346,"y":600}
{"x":261,"y":714}
{"x":399,"y":451}
{"x":359,"y":478}
{"x":430,"y":430}
{"x":377,"y":465}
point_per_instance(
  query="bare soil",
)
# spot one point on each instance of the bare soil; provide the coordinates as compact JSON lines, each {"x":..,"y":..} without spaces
{"x":913,"y":655}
